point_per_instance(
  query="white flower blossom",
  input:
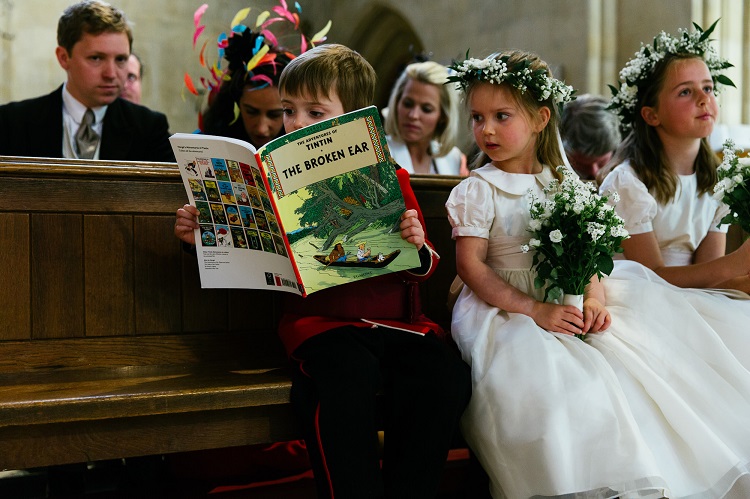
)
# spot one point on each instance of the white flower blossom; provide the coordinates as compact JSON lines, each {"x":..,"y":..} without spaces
{"x":595,"y":230}
{"x":535,"y":224}
{"x":603,"y":210}
{"x":534,"y":243}
{"x":734,"y":174}
{"x":733,"y":171}
{"x":525,"y":248}
{"x":723,"y":186}
{"x":618,"y":231}
{"x":555,"y":236}
{"x":547,"y":206}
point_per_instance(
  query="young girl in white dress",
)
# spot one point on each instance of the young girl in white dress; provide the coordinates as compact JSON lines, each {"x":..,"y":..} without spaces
{"x":665,"y":169}
{"x":665,"y":173}
{"x":651,"y":405}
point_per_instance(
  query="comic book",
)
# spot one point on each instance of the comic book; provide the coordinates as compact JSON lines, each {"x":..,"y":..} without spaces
{"x":315,"y":208}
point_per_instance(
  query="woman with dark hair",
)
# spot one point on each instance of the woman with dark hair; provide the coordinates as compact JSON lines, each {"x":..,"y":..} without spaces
{"x":253,"y":92}
{"x":243,"y":99}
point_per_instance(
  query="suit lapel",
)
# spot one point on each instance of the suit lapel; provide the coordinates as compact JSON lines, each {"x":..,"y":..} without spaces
{"x":47,"y":129}
{"x":117,"y":137}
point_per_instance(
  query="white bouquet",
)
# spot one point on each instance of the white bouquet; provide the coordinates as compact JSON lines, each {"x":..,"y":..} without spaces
{"x":575,"y":233}
{"x":733,"y":187}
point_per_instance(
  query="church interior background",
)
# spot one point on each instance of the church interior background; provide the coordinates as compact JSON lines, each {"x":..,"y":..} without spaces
{"x":585,"y":41}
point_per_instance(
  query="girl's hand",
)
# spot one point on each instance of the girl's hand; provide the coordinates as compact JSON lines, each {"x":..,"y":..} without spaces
{"x":565,"y":319}
{"x":186,"y":223}
{"x":411,"y":228}
{"x":596,"y":317}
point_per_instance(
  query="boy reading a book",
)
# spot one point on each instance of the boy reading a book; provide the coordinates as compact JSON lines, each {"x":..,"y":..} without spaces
{"x":352,"y":342}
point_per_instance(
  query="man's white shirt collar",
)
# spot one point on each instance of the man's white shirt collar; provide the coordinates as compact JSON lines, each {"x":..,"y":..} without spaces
{"x":73,"y":111}
{"x":76,"y":110}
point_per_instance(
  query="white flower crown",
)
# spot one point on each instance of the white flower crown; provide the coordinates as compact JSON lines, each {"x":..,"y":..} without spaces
{"x":495,"y":70}
{"x":639,"y":69}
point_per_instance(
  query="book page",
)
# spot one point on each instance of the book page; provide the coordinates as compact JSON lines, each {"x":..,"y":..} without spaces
{"x":240,"y":243}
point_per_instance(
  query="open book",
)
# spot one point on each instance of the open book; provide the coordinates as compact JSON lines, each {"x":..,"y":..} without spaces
{"x":312,"y":209}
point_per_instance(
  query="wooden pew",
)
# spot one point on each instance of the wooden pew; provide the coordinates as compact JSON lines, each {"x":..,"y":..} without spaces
{"x":109,"y":348}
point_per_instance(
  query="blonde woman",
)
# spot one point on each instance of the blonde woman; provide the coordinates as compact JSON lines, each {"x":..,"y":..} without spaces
{"x":422,"y":121}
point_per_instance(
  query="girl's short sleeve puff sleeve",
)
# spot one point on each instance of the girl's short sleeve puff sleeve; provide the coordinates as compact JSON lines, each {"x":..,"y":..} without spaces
{"x":636,"y":206}
{"x":471,"y":209}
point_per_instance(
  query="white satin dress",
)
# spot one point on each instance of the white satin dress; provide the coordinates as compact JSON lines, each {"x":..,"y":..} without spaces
{"x":679,"y":227}
{"x":655,"y":406}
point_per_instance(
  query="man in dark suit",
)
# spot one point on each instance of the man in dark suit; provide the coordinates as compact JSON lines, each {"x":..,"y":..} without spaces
{"x":85,"y":117}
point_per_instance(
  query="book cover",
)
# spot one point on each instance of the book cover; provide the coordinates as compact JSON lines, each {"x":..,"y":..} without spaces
{"x":315,"y":208}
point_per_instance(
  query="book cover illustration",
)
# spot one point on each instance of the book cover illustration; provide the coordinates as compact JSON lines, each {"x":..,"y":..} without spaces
{"x":327,"y":212}
{"x":339,"y":200}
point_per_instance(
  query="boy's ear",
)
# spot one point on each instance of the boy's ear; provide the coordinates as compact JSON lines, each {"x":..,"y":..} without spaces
{"x":543,"y":116}
{"x":650,"y":116}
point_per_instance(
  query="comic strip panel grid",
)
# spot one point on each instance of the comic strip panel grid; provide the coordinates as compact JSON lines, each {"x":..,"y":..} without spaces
{"x":233,"y":205}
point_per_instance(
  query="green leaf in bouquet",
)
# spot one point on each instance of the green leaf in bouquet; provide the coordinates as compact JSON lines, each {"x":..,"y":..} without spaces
{"x":554,"y":293}
{"x":544,"y":269}
{"x":729,"y":218}
{"x":539,"y":282}
{"x":605,"y":264}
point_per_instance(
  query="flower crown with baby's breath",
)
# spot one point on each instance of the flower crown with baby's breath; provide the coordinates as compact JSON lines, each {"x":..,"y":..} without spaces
{"x":639,"y":69}
{"x":494,"y":69}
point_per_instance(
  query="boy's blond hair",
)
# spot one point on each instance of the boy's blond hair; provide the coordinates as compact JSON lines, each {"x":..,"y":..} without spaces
{"x":331,"y":68}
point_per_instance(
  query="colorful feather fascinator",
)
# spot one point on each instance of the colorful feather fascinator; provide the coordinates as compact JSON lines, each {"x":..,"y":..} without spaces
{"x":254,"y":55}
